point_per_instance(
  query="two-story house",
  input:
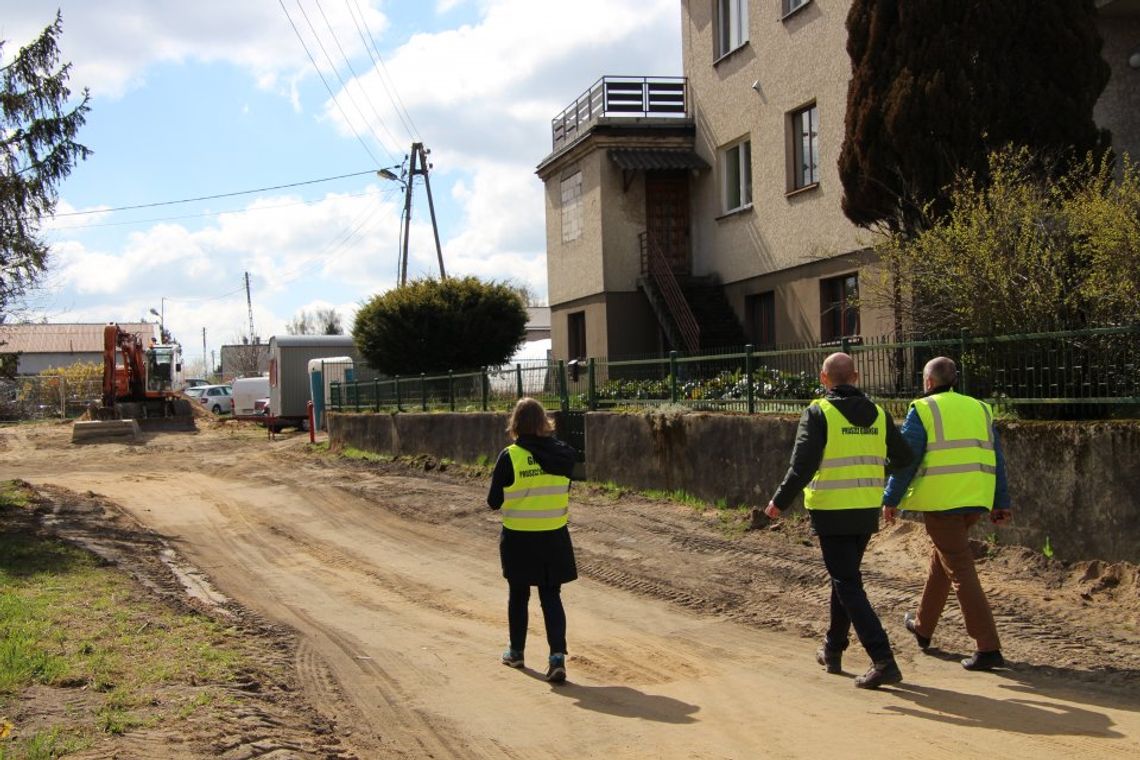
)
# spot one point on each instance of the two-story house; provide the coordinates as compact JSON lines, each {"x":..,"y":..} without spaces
{"x":703,"y":211}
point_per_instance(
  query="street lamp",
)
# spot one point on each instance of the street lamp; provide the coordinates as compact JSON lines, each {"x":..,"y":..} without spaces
{"x":161,"y":321}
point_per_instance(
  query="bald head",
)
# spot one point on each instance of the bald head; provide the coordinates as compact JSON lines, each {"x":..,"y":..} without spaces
{"x":838,"y":369}
{"x":941,"y":370}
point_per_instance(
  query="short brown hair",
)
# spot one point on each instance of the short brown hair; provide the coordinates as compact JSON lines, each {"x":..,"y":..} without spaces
{"x":529,"y":418}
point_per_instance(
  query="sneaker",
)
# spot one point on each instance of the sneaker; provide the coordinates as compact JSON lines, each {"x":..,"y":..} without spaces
{"x":556,"y":673}
{"x":984,"y":661}
{"x":830,"y":659}
{"x":513,"y":658}
{"x":923,"y":641}
{"x":880,"y":674}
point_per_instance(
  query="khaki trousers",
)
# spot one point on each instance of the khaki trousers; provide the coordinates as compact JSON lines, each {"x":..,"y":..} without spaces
{"x":952,"y":566}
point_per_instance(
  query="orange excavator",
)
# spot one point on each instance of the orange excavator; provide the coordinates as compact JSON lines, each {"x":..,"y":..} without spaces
{"x":140,"y":383}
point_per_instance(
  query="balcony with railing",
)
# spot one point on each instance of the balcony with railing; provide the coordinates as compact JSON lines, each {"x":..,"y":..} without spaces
{"x":621,"y":97}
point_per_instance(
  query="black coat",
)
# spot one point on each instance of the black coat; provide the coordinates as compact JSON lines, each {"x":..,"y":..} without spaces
{"x":540,"y":557}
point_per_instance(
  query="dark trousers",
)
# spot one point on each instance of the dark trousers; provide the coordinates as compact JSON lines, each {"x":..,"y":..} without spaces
{"x":552,"y":614}
{"x":842,"y":555}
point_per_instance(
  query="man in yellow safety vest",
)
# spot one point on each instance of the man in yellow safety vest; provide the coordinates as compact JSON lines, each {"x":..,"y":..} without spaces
{"x":844,"y":444}
{"x":958,"y":477}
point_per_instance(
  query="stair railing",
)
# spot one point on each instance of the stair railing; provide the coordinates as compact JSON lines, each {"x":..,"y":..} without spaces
{"x":654,"y":264}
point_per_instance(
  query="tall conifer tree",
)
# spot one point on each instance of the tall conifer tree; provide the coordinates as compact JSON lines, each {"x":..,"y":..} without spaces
{"x":37,"y":151}
{"x":938,"y":84}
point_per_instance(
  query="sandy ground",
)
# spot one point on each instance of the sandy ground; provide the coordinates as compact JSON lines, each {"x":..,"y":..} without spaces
{"x":687,"y":640}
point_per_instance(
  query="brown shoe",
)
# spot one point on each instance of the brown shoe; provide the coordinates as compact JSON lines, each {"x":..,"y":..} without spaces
{"x":830,"y":659}
{"x":984,"y":661}
{"x":880,"y":674}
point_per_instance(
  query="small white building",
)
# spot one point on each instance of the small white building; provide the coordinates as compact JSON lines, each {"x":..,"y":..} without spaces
{"x":42,"y":346}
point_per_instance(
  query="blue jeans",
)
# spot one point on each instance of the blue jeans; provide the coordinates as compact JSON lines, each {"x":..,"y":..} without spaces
{"x":842,"y":555}
{"x":552,"y":614}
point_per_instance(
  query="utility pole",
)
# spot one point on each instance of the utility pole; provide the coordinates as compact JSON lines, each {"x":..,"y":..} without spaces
{"x":205,"y":367}
{"x":418,"y":156}
{"x":249,"y":305}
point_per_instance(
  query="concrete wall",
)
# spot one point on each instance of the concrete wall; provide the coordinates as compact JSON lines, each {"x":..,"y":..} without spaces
{"x":1076,"y":483}
{"x":460,"y":437}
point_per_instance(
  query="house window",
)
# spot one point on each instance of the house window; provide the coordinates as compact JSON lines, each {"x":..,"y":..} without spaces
{"x":791,"y":6}
{"x":839,"y":307}
{"x":576,"y":334}
{"x":731,"y":25}
{"x":572,"y":207}
{"x":805,"y":144}
{"x":736,"y":168}
{"x":760,"y":313}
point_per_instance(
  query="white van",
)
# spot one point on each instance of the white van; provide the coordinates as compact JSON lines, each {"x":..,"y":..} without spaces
{"x":247,"y":390}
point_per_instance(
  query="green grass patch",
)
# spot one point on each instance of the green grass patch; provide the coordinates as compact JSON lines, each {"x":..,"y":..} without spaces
{"x":348,"y":452}
{"x":678,"y":496}
{"x":69,"y":621}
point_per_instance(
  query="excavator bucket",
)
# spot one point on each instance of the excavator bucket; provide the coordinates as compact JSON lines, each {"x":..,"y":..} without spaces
{"x":127,"y":420}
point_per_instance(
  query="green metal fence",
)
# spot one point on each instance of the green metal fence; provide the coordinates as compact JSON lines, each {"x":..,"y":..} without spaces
{"x":1082,"y":373}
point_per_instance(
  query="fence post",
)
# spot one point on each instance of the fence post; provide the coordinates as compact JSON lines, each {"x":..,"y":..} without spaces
{"x":591,"y":386}
{"x":748,"y":378}
{"x":518,"y":379}
{"x":673,"y":376}
{"x":451,"y":389}
{"x":845,"y":345}
{"x":963,"y":372}
{"x":62,"y":397}
{"x":376,"y":394}
{"x":399,"y":401}
{"x":563,"y":388}
{"x":355,"y":390}
{"x":423,"y":391}
{"x":486,"y":383}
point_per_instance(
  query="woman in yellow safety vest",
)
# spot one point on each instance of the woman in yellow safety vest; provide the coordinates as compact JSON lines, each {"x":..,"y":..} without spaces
{"x":530,"y":487}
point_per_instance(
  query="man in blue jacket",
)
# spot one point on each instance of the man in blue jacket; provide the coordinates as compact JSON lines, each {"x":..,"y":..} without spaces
{"x":958,"y":476}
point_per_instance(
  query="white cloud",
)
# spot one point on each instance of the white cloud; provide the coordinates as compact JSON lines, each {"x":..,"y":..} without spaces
{"x":113,"y":42}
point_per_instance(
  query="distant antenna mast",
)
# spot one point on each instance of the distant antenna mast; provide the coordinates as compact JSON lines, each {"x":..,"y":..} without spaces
{"x":418,"y":154}
{"x":249,"y":305}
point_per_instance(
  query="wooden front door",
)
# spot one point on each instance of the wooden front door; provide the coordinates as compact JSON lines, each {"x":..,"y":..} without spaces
{"x":667,"y":216}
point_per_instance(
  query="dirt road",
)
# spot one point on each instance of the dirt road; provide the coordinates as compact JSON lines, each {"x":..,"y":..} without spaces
{"x":687,"y":640}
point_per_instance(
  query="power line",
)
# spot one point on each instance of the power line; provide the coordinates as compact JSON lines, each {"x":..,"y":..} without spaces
{"x":336,"y":71}
{"x":154,"y":219}
{"x":336,"y":102}
{"x":378,"y":61}
{"x":211,"y":197}
{"x":364,"y":92}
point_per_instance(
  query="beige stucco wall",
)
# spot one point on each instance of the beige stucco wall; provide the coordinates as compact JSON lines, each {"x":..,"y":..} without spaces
{"x":1119,"y":106}
{"x":794,"y":62}
{"x":623,"y":214}
{"x":618,"y":324}
{"x":575,"y":269}
{"x":797,"y":297}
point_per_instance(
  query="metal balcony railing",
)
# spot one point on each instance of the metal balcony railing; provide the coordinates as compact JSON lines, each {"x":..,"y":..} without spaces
{"x":658,"y":97}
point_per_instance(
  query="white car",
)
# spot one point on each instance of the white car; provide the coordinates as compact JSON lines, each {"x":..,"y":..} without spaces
{"x":217,"y":398}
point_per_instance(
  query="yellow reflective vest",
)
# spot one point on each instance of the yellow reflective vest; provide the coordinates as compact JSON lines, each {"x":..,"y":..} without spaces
{"x":535,"y":500}
{"x":853,"y":469}
{"x":959,"y":468}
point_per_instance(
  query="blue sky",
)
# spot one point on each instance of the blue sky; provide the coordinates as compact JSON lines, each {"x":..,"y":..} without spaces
{"x":210,"y":97}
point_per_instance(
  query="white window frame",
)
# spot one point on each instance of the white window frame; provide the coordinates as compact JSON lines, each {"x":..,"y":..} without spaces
{"x":570,"y":190}
{"x":788,"y":7}
{"x":805,"y":147}
{"x":736,"y":173}
{"x":731,"y":28}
